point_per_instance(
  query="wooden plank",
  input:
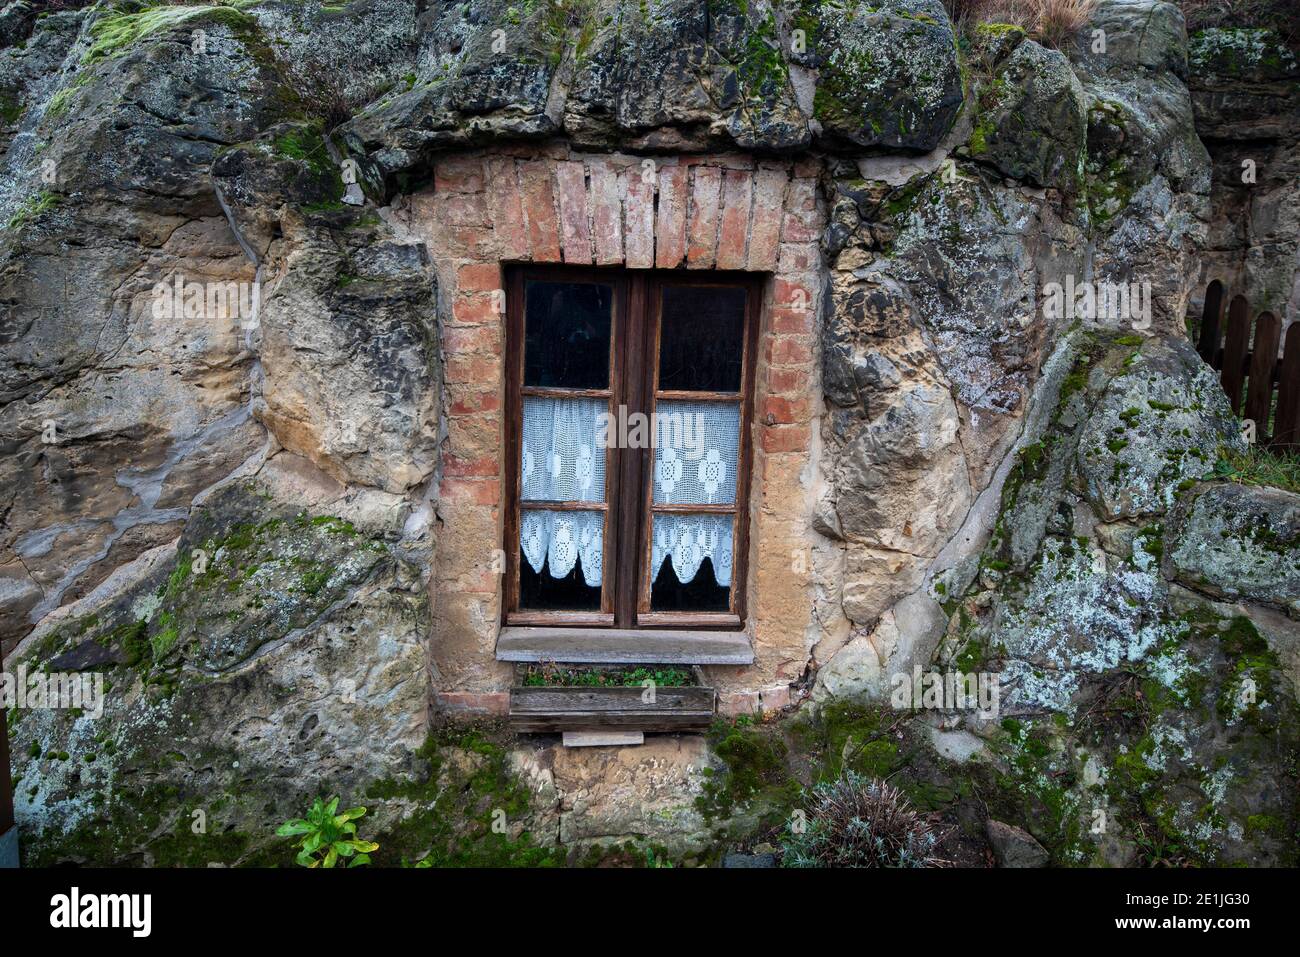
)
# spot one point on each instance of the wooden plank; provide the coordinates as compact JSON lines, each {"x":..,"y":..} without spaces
{"x":603,"y":739}
{"x":559,"y":392}
{"x":551,"y":505}
{"x":1211,"y":320}
{"x":567,"y":619}
{"x":690,"y":509}
{"x":690,"y":619}
{"x":1259,"y":391}
{"x":1286,"y":430}
{"x":550,"y":709}
{"x":626,"y":721}
{"x":682,"y":395}
{"x":632,"y":646}
{"x":547,"y":699}
{"x":1234,"y":351}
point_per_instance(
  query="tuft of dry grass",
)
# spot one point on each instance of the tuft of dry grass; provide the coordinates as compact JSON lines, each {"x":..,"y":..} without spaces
{"x":1053,"y":23}
{"x":1057,"y":21}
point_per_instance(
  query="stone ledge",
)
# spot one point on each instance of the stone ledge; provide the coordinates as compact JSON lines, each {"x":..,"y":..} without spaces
{"x":624,"y":646}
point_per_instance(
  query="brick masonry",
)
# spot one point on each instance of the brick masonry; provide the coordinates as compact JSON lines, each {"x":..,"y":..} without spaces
{"x":700,"y":212}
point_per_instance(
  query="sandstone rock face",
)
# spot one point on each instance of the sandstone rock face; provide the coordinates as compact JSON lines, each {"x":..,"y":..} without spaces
{"x":1071,"y":602}
{"x":1013,"y":847}
{"x":1160,"y":423}
{"x":887,"y":74}
{"x":654,"y":72}
{"x":1238,"y":542}
{"x":228,"y":507}
{"x":1247,"y":110}
{"x":117,"y":411}
{"x":1148,"y":172}
{"x":1032,"y":121}
{"x":272,"y":653}
{"x":361,"y":312}
{"x":645,"y":793}
{"x":483,"y":69}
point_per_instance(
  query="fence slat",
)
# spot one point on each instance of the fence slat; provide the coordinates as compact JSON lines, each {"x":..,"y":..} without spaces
{"x":1263,"y":357}
{"x":1211,"y":319}
{"x":1286,"y":433}
{"x":1234,"y":351}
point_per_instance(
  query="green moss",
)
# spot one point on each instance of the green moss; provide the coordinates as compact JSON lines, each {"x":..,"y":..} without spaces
{"x":60,"y":101}
{"x":901,"y":200}
{"x":1151,"y":540}
{"x":998,"y":29}
{"x":158,"y":817}
{"x":327,"y":206}
{"x":468,"y":781}
{"x":10,"y":108}
{"x":32,"y":207}
{"x":1037,"y":788}
{"x":971,"y":657}
{"x":314,"y":579}
{"x":164,"y":640}
{"x":1265,"y":825}
{"x":1251,"y":660}
{"x":755,"y":762}
{"x":762,"y":69}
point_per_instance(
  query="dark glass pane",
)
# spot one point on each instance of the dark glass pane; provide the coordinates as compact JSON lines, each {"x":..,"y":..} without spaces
{"x":701,"y":593}
{"x":566,"y":334}
{"x":701,"y":338}
{"x":541,"y":592}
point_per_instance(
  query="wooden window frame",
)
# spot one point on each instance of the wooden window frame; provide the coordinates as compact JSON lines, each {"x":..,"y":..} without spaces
{"x":629,"y":485}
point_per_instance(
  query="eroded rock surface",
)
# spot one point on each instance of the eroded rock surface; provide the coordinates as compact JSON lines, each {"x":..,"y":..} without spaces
{"x":231,"y":514}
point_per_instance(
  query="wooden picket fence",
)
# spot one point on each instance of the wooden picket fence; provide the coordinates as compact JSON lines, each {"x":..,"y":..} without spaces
{"x":1272,"y":384}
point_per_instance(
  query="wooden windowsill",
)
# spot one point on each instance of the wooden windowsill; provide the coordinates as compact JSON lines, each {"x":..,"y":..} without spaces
{"x":643,"y":646}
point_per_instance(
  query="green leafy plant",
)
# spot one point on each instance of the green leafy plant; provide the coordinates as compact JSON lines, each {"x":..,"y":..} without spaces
{"x":653,"y":860}
{"x":663,"y":677}
{"x":328,"y":836}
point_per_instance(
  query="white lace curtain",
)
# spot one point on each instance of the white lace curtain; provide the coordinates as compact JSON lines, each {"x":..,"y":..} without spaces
{"x":696,"y":456}
{"x":559,"y":458}
{"x":697,"y":451}
{"x":561,"y":462}
{"x":688,"y":540}
{"x":695,"y":460}
{"x":561,"y":538}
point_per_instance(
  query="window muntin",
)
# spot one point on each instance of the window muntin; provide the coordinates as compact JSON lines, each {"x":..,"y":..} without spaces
{"x":646,"y":536}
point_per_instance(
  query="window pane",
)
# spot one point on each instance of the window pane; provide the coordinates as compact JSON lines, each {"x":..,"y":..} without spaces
{"x":701,"y":338}
{"x":566,"y":334}
{"x":560,"y":460}
{"x":691,"y":560}
{"x":697,"y":450}
{"x":561,"y":559}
